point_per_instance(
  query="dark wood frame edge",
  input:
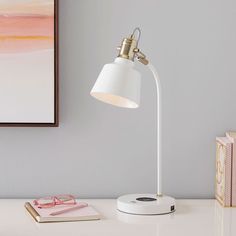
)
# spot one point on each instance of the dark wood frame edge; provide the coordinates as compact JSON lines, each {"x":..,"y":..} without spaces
{"x":56,"y":80}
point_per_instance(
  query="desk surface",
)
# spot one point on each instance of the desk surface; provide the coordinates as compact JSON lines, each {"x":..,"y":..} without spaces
{"x":192,"y":217}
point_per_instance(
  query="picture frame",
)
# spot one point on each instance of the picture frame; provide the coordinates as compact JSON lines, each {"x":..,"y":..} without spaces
{"x":43,"y":110}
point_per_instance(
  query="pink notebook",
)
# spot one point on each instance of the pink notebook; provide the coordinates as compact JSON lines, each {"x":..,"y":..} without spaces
{"x":43,"y":215}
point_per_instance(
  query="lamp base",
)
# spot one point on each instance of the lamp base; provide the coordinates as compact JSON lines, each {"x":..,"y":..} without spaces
{"x":146,"y":204}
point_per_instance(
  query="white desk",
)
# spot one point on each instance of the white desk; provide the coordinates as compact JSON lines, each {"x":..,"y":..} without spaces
{"x":192,"y":218}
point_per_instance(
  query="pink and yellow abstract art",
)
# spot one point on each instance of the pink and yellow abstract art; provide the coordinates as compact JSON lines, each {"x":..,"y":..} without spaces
{"x":27,"y":61}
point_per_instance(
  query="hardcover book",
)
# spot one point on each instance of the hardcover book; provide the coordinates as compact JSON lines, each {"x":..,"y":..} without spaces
{"x":45,"y":214}
{"x":223,"y":191}
{"x":232,"y":137}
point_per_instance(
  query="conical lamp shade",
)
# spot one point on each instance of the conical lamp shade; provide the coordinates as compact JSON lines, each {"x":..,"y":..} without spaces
{"x":118,"y":84}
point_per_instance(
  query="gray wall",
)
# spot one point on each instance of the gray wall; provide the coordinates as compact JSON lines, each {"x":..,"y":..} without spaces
{"x":103,"y":151}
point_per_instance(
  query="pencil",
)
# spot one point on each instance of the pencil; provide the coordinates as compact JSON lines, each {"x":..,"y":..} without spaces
{"x":79,"y":206}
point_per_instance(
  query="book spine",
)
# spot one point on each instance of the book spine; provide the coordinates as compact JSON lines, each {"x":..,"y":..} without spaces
{"x":228,"y":175}
{"x":223,"y":172}
{"x":32,"y":211}
{"x":233,"y":170}
{"x":234,"y":175}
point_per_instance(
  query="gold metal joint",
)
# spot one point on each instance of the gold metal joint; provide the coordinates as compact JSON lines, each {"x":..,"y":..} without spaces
{"x":141,"y":58}
{"x":159,"y":195}
{"x":129,"y":48}
{"x":126,"y":50}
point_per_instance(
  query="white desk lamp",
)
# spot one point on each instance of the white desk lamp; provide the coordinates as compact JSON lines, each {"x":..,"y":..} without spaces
{"x":119,"y":84}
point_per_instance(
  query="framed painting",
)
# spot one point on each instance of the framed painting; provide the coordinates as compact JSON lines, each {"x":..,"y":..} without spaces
{"x":28,"y":63}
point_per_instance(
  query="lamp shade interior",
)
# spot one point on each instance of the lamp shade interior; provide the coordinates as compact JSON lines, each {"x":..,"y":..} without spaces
{"x":118,"y":84}
{"x":114,"y":100}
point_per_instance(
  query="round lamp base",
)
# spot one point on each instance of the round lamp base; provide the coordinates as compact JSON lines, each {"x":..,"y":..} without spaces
{"x":146,"y":204}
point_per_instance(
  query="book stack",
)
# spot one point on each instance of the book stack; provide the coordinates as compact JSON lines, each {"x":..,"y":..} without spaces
{"x":225,"y":191}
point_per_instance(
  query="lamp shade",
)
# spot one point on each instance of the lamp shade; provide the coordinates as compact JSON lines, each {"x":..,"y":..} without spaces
{"x":118,"y":84}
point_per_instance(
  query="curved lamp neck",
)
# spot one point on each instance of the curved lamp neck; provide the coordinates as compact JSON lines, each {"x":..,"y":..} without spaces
{"x":129,"y":50}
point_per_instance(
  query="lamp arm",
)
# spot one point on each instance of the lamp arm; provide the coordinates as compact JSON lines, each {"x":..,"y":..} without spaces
{"x":159,"y":133}
{"x":129,"y":50}
{"x":142,"y":58}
